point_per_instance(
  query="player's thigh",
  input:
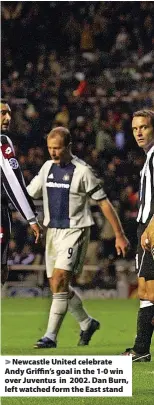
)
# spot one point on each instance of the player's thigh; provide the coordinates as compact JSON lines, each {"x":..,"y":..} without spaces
{"x":150,"y":290}
{"x":50,"y":255}
{"x":5,"y":232}
{"x":71,"y":249}
{"x":144,"y":269}
{"x":142,"y":294}
{"x":81,"y":253}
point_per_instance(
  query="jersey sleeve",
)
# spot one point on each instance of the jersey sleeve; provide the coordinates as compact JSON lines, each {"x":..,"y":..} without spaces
{"x":93,"y":185}
{"x":35,"y":187}
{"x":13,"y":181}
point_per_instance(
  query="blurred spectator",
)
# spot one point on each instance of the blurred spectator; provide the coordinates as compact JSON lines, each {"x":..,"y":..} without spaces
{"x":27,"y":255}
{"x":72,"y":31}
{"x":11,"y":11}
{"x":62,"y":117}
{"x":104,"y":141}
{"x":14,"y":256}
{"x":87,"y":37}
{"x":122,"y":39}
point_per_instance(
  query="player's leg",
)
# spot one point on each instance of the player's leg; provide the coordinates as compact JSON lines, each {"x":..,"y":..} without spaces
{"x":150,"y":288}
{"x":59,"y":284}
{"x":4,"y":239}
{"x":144,"y":322}
{"x":141,"y":348}
{"x":88,"y":325}
{"x":61,"y":254}
{"x":75,"y":307}
{"x":150,"y":293}
{"x":50,"y":257}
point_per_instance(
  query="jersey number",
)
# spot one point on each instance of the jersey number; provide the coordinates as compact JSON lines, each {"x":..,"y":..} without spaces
{"x":70,"y":252}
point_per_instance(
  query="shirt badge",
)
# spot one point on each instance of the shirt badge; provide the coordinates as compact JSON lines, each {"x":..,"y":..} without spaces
{"x":13,"y":163}
{"x":66,"y":177}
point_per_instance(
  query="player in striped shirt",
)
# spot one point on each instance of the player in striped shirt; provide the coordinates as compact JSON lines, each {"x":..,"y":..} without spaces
{"x":143,"y":131}
{"x":12,"y":190}
{"x":66,"y":184}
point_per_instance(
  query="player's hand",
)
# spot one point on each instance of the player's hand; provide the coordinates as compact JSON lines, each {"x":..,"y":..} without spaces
{"x":122,"y":245}
{"x":147,"y":238}
{"x":37,"y":230}
{"x":145,"y":242}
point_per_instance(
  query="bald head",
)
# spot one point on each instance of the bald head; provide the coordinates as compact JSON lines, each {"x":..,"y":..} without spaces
{"x":59,"y":145}
{"x":64,"y":133}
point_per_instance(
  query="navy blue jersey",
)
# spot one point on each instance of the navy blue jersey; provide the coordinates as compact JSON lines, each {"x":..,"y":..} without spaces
{"x":66,"y":191}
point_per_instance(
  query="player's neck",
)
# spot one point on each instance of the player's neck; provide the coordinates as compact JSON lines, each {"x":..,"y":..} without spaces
{"x":4,"y":132}
{"x":149,"y":146}
{"x":66,"y":161}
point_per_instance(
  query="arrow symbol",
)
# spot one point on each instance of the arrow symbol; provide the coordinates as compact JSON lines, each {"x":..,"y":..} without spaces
{"x":7,"y":361}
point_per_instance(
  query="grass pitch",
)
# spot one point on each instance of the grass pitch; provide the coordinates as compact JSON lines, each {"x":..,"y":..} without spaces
{"x":24,"y":321}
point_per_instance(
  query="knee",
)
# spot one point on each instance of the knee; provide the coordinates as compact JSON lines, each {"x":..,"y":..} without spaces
{"x":150,"y":290}
{"x":4,"y":273}
{"x":142,"y":293}
{"x":60,"y":281}
{"x":151,"y":296}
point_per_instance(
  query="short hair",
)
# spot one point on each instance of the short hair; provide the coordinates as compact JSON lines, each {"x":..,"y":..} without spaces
{"x":145,"y":113}
{"x":63,"y":132}
{"x":3,"y":101}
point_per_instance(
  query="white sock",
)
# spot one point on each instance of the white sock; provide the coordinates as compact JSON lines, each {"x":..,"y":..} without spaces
{"x":57,"y":313}
{"x":145,"y":303}
{"x":75,"y":307}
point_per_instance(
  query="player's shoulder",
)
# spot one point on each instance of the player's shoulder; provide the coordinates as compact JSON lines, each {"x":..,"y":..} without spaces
{"x":7,"y":147}
{"x":150,"y":157}
{"x":5,"y":139}
{"x":86,"y":169}
{"x":81,"y":164}
{"x":150,"y":153}
{"x":47,"y":165}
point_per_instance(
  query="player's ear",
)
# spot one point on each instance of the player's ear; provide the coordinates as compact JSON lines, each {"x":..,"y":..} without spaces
{"x":70,"y":145}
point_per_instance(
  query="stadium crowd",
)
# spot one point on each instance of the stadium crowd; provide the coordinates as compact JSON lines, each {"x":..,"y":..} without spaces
{"x":87,"y":66}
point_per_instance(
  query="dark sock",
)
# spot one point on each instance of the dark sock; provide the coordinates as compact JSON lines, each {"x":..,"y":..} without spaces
{"x":144,"y":330}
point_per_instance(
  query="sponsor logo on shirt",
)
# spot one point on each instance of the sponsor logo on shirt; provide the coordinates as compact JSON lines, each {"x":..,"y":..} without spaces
{"x":57,"y":185}
{"x":50,"y":176}
{"x":7,"y":151}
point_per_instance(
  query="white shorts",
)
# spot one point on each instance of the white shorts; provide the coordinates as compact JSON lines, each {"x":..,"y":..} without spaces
{"x":66,"y":249}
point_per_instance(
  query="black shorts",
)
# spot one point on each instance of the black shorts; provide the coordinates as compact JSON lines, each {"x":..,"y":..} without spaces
{"x":144,"y":259}
{"x":5,"y":231}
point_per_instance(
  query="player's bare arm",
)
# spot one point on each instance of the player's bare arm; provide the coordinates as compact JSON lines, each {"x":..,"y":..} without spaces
{"x":121,"y":243}
{"x":36,"y":230}
{"x":147,"y":238}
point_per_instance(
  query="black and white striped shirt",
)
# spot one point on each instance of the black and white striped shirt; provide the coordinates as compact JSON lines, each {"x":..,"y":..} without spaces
{"x":13,"y":187}
{"x":146,"y":193}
